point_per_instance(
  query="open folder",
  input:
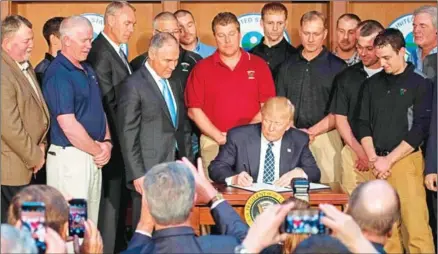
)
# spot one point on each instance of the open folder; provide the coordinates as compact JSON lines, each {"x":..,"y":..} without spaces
{"x":264,"y":186}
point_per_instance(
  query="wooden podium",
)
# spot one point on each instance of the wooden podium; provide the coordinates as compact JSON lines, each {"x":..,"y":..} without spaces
{"x":238,"y":197}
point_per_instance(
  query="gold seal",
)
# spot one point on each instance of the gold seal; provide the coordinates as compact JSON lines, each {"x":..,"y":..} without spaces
{"x":258,"y":202}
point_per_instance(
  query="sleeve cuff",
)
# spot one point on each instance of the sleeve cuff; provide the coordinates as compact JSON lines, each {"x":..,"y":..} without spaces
{"x":141,"y":232}
{"x":228,"y":180}
{"x":216,"y":203}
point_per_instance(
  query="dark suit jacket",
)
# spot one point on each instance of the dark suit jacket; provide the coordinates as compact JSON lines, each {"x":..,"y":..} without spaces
{"x":184,"y":240}
{"x":431,"y":152}
{"x":146,"y":132}
{"x":241,"y":152}
{"x":110,"y":72}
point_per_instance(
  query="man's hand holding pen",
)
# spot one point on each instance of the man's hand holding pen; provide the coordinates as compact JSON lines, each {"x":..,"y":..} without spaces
{"x":242,"y":179}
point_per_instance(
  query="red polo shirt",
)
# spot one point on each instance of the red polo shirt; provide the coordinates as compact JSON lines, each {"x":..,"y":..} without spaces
{"x":228,"y":97}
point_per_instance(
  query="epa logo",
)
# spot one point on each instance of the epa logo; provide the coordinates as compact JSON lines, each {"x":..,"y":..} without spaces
{"x":97,"y":21}
{"x":252,"y":32}
{"x":405,"y":25}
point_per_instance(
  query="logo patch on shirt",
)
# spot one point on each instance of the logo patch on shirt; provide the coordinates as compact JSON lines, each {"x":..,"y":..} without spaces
{"x":402,"y":91}
{"x":185,"y":66}
{"x":251,"y":74}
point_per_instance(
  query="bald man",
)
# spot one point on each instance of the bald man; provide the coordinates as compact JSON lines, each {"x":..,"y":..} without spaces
{"x":269,"y":152}
{"x":375,"y":214}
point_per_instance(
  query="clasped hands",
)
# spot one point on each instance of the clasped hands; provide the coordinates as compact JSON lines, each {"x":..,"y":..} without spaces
{"x":381,"y":167}
{"x":104,"y":156}
{"x":245,"y":180}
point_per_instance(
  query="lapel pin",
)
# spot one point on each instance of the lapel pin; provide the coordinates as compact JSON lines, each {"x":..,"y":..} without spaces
{"x":288,"y":150}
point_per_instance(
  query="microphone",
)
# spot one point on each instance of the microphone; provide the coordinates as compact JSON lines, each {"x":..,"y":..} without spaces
{"x":300,"y":187}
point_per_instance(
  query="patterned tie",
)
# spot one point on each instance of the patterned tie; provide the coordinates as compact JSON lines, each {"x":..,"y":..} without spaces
{"x":125,"y":60}
{"x":268,"y":174}
{"x":169,"y":100}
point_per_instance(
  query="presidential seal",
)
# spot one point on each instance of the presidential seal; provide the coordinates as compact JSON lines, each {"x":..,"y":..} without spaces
{"x":405,"y":25}
{"x":252,"y":31}
{"x":97,"y":21}
{"x":258,"y":202}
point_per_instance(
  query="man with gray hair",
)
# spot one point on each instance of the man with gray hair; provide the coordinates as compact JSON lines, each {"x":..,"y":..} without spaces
{"x":171,"y":190}
{"x":375,"y":214}
{"x":152,"y":116}
{"x":25,"y":118}
{"x":80,"y":138}
{"x":425,"y":36}
{"x":111,"y":65}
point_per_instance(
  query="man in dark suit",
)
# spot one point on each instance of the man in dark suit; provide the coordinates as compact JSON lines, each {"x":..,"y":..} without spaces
{"x":167,"y":22}
{"x":171,"y":190}
{"x":152,"y":115}
{"x":270,"y":152}
{"x":112,"y":67}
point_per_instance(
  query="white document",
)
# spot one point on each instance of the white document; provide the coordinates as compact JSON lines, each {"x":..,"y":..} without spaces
{"x":264,"y":186}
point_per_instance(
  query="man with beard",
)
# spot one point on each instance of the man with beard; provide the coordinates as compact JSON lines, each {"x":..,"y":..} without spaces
{"x":189,"y":39}
{"x":346,"y":38}
{"x":344,"y":105}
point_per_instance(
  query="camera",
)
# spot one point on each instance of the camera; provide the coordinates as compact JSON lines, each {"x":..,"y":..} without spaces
{"x":300,"y":187}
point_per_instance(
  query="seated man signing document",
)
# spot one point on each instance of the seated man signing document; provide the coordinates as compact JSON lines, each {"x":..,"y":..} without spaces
{"x":271,"y":152}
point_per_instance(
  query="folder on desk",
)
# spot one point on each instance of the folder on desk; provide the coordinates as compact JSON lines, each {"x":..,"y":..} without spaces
{"x":264,"y":186}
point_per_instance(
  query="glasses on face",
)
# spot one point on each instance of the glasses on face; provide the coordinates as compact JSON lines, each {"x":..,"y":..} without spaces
{"x":174,"y":32}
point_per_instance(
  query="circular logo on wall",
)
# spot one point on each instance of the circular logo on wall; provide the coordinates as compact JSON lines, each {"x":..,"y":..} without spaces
{"x":258,"y":202}
{"x":252,"y":32}
{"x":405,"y":25}
{"x":97,"y":22}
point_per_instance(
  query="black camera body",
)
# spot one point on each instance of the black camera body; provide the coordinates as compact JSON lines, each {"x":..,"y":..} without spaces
{"x":300,"y":187}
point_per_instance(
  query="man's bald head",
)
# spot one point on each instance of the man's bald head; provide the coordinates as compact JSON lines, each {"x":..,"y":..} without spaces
{"x":166,"y":22}
{"x":375,"y":206}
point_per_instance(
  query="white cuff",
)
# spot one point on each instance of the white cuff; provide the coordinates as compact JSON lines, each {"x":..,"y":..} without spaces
{"x":228,"y":180}
{"x":216,"y":203}
{"x":143,"y":233}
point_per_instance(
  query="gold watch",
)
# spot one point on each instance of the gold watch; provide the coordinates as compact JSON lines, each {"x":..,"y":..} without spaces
{"x":217,"y":197}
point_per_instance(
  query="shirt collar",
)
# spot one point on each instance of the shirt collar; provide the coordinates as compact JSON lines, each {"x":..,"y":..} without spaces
{"x":320,"y":55}
{"x":282,"y":43}
{"x":69,"y":65}
{"x":266,"y":142}
{"x":49,"y":57}
{"x":153,"y":72}
{"x":420,"y":51}
{"x":113,"y":44}
{"x":176,"y":231}
{"x":23,"y":66}
{"x":243,"y":57}
{"x":198,"y":45}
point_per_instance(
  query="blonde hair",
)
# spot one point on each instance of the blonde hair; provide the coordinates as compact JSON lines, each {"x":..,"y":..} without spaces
{"x":279,"y":105}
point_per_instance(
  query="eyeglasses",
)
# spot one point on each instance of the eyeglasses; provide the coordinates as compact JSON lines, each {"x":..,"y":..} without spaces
{"x":174,"y":32}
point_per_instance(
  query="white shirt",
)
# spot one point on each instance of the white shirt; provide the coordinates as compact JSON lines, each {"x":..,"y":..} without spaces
{"x":371,"y":72}
{"x":24,"y":68}
{"x":157,"y":81}
{"x":276,"y":150}
{"x":115,"y":46}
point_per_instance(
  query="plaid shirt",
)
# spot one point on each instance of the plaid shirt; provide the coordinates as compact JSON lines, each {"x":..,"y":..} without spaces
{"x":350,"y":61}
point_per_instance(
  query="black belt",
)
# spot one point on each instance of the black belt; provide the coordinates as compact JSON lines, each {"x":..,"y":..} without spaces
{"x":383,"y":152}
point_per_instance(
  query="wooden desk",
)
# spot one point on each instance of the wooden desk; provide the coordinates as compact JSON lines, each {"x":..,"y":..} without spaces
{"x":238,"y":197}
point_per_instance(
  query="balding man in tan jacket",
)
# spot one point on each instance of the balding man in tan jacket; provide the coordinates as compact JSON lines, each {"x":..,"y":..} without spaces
{"x":25,"y":118}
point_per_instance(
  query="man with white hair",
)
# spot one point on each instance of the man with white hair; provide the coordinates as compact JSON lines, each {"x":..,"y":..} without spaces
{"x":80,"y":138}
{"x":112,"y":67}
{"x":25,"y":118}
{"x":425,"y":36}
{"x":151,"y":116}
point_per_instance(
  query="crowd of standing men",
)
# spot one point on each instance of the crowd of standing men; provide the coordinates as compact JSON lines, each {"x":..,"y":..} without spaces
{"x":366,"y":110}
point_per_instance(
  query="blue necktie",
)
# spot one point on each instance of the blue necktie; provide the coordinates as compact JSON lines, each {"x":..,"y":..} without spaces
{"x":269,"y":169}
{"x":169,"y":100}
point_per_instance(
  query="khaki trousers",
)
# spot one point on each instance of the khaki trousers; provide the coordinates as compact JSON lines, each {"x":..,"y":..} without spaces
{"x":350,"y":176}
{"x":326,"y":148}
{"x":209,"y":151}
{"x":413,"y":232}
{"x":74,"y":173}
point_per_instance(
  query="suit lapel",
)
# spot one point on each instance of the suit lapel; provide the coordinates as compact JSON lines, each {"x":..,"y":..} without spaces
{"x":40,"y":93}
{"x":287,"y":149}
{"x":114,"y":54}
{"x":24,"y":82}
{"x":151,"y":81}
{"x":253,"y":149}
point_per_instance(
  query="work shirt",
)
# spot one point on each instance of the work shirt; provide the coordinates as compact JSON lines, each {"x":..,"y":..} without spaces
{"x":396,"y":108}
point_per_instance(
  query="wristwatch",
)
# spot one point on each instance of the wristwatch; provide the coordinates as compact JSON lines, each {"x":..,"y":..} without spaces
{"x":217,"y":197}
{"x":240,"y":249}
